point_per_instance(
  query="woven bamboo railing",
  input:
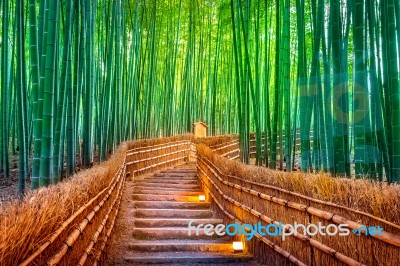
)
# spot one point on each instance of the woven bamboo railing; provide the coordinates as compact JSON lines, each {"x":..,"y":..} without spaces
{"x":82,"y":238}
{"x":249,"y":202}
{"x":143,"y":160}
{"x":225,"y":146}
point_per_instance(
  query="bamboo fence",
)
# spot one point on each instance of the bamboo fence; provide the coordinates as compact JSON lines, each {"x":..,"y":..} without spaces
{"x":152,"y":158}
{"x":81,"y":238}
{"x":80,"y":234}
{"x":249,"y":202}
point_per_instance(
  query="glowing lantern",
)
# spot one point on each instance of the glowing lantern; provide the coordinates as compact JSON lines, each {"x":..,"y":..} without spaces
{"x":237,"y":246}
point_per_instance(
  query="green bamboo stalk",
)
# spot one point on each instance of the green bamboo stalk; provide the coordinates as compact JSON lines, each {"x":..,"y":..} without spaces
{"x":274,"y":135}
{"x":391,"y":86}
{"x":62,"y":100}
{"x":21,"y":97}
{"x":267,"y":55}
{"x":360,"y":90}
{"x":5,"y":84}
{"x":286,"y":84}
{"x":35,"y":74}
{"x":46,"y":161}
{"x":87,"y":124}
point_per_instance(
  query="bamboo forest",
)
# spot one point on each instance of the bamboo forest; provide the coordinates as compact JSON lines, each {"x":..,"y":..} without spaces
{"x":316,"y":82}
{"x":131,"y":131}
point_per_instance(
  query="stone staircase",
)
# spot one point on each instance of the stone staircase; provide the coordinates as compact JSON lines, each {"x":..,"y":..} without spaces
{"x":163,"y":205}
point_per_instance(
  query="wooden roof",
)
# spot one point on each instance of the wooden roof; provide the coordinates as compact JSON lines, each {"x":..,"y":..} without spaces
{"x":200,"y":122}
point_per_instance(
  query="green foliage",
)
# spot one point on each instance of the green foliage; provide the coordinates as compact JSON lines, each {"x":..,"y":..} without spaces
{"x":317,"y":81}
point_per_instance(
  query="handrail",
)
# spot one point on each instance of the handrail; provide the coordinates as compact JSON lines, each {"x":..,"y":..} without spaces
{"x":178,"y":147}
{"x":334,"y":253}
{"x":277,"y":248}
{"x":158,"y":164}
{"x":100,"y":229}
{"x":159,"y":147}
{"x":222,"y":144}
{"x":156,"y":157}
{"x":73,"y":236}
{"x":88,"y":225}
{"x":303,"y":196}
{"x":226,"y":146}
{"x":386,"y":237}
{"x":229,"y":152}
{"x":217,"y":182}
{"x":65,"y":224}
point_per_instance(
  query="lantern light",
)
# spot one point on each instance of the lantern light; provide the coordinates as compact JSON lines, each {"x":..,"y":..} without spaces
{"x":202,"y":197}
{"x":237,"y":246}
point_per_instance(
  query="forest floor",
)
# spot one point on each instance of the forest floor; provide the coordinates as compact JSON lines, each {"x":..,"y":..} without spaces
{"x":9,"y":186}
{"x":283,"y":168}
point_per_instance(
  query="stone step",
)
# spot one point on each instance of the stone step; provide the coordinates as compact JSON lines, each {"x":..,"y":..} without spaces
{"x":166,"y":185}
{"x":163,"y":206}
{"x":180,"y":169}
{"x":169,"y":181}
{"x":187,"y":258}
{"x":167,"y":191}
{"x":169,"y":176}
{"x":163,"y":190}
{"x":177,"y":175}
{"x":147,"y":233}
{"x":173,"y":213}
{"x":174,"y":222}
{"x":180,"y":245}
{"x":171,"y":205}
{"x":160,"y":195}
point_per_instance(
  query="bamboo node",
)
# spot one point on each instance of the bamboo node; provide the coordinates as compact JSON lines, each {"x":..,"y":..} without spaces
{"x":68,"y":246}
{"x":334,"y":253}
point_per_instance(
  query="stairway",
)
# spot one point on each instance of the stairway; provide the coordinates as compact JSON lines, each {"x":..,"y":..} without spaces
{"x":164,"y":203}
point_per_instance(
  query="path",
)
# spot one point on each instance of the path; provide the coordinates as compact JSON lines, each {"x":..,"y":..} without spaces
{"x":153,"y":224}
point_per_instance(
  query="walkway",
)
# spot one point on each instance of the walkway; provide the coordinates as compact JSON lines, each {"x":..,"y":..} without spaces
{"x":153,"y":225}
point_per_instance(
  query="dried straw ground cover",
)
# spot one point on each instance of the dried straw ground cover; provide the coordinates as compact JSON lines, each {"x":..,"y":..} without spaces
{"x":26,"y":225}
{"x":162,"y":153}
{"x":378,"y":199}
{"x":226,"y":145}
{"x":217,"y":141}
{"x":256,"y":194}
{"x":152,"y":142}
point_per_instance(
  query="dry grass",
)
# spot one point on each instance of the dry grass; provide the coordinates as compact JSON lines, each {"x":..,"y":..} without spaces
{"x":326,"y":195}
{"x":372,"y":197}
{"x":151,"y":142}
{"x":216,"y":141}
{"x":27,"y":224}
{"x":165,"y":152}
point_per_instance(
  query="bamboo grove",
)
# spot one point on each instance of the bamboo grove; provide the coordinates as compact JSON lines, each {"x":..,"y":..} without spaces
{"x":328,"y":70}
{"x":316,"y":80}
